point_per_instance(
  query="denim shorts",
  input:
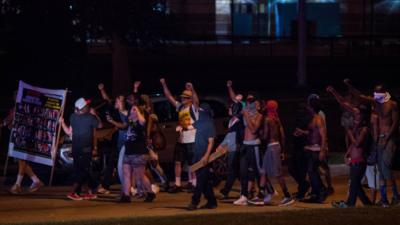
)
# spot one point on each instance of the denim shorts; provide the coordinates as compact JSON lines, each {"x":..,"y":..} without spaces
{"x":135,"y":160}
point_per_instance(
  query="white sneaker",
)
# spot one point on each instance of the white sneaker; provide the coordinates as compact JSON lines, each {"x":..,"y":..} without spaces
{"x":133,"y":191}
{"x":241,"y":201}
{"x":286,"y":201}
{"x":268,"y":199}
{"x":155,"y":188}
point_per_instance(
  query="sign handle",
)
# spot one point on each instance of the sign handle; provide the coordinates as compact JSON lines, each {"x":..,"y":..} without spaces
{"x":54,"y":156}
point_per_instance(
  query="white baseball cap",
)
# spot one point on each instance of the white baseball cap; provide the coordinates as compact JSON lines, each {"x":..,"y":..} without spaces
{"x":81,"y":103}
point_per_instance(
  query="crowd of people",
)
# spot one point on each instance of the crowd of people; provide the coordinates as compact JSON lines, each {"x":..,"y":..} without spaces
{"x":255,"y":146}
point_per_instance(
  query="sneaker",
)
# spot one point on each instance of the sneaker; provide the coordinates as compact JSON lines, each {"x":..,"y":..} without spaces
{"x":241,"y":201}
{"x":155,"y":189}
{"x":256,"y":201}
{"x":339,"y":205}
{"x":89,"y":196}
{"x":191,"y":207}
{"x":134,"y":191}
{"x":16,"y":189}
{"x":74,"y":196}
{"x":125,"y":199}
{"x":35,"y":186}
{"x":286,"y":201}
{"x":268,"y":199}
{"x":175,"y":189}
{"x":150,"y":197}
{"x":103,"y":191}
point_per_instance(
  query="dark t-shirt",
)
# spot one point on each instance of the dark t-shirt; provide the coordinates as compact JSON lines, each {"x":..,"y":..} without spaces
{"x":205,"y":130}
{"x":82,"y":131}
{"x":135,"y":139}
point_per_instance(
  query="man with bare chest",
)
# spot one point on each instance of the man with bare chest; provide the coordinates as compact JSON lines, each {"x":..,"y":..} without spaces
{"x":249,"y":151}
{"x":272,"y":163}
{"x":315,"y":151}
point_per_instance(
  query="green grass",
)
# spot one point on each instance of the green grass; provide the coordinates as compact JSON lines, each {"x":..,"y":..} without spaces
{"x":356,"y":216}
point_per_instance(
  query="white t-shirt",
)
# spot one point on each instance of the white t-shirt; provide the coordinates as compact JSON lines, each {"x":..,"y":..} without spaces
{"x":186,"y":121}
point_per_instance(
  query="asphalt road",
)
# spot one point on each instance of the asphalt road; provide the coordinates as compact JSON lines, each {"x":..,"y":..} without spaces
{"x":50,"y":204}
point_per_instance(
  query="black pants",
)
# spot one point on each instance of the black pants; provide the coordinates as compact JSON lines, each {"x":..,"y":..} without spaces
{"x":82,"y":167}
{"x":249,"y":168}
{"x":233,"y":171}
{"x":298,"y":170}
{"x":357,"y":172}
{"x":204,"y":186}
{"x":313,"y":164}
{"x":109,"y":157}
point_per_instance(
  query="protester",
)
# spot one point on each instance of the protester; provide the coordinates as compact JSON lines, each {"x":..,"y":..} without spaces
{"x":205,"y":134}
{"x":120,"y":122}
{"x":82,"y":124}
{"x":298,"y":161}
{"x":315,"y":151}
{"x":233,"y":141}
{"x":136,"y":157}
{"x":23,"y":166}
{"x":272,"y":162}
{"x":249,"y":151}
{"x":355,"y":155}
{"x":184,"y":147}
{"x":324,"y":166}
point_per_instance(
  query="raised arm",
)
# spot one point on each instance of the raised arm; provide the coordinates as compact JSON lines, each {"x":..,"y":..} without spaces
{"x":356,"y":92}
{"x":103,"y":92}
{"x":232,"y":93}
{"x":167,"y":93}
{"x":196,"y":101}
{"x":346,"y":105}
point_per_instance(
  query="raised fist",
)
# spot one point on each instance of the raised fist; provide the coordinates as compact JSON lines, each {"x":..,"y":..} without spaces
{"x":329,"y":89}
{"x":346,"y":81}
{"x":136,"y":84}
{"x":162,"y":80}
{"x":189,"y":86}
{"x":229,"y":83}
{"x":100,"y":86}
